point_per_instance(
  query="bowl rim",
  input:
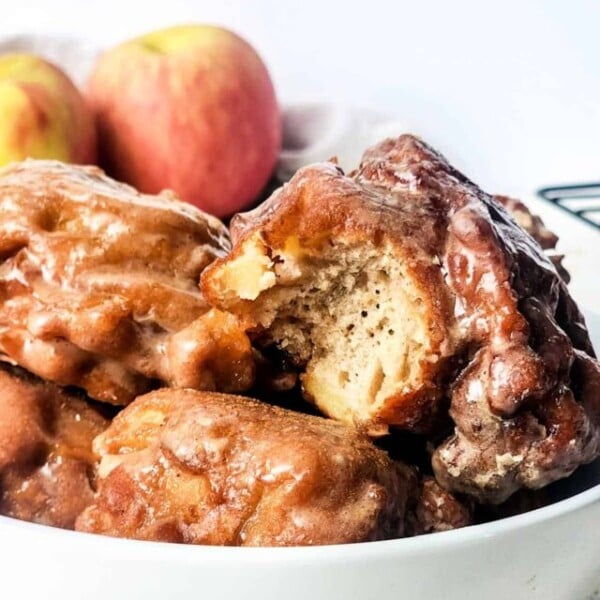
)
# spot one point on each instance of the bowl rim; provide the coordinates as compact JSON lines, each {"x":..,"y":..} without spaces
{"x":123,"y":549}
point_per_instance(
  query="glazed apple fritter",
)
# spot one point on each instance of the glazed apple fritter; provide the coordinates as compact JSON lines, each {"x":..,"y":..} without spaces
{"x":404,"y":284}
{"x":46,"y":460}
{"x":207,"y":468}
{"x":99,"y":286}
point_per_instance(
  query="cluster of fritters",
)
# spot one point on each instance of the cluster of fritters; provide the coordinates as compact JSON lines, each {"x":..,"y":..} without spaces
{"x":362,"y":357}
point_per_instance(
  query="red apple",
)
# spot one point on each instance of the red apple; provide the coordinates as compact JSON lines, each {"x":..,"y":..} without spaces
{"x":42,"y":114}
{"x":190,"y":108}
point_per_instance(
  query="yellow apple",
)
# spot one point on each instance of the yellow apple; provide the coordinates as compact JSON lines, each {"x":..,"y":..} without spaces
{"x":42,"y":114}
{"x":190,"y":108}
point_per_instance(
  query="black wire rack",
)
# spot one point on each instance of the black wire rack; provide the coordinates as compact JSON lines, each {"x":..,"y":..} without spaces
{"x":581,"y":200}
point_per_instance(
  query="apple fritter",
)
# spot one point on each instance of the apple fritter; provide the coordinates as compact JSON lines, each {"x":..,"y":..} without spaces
{"x":206,"y":468}
{"x":46,"y":459}
{"x":403,"y":285}
{"x":99,"y":286}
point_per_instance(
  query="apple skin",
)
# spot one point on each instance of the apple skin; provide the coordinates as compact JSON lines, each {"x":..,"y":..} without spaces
{"x":42,"y":114}
{"x":189,"y":108}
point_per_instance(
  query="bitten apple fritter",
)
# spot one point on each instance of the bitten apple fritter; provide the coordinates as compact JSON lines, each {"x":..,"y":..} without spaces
{"x":403,"y":284}
{"x":46,"y":459}
{"x":206,"y":468}
{"x":99,"y":286}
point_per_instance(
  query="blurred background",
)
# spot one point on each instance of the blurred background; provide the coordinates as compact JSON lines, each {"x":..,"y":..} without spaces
{"x":510,"y":91}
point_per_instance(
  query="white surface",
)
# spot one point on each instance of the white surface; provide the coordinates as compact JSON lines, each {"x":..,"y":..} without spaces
{"x":510,"y":90}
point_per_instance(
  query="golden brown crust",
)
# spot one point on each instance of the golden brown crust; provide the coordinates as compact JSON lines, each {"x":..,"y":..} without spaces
{"x":46,"y":457}
{"x":206,"y":468}
{"x":99,"y":283}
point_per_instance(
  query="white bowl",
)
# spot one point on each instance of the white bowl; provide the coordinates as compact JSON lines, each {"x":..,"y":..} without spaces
{"x":551,"y":553}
